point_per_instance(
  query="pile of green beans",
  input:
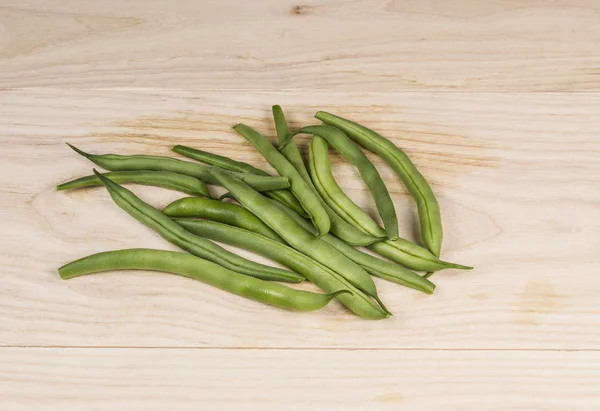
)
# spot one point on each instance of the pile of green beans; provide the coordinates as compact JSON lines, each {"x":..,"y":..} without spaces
{"x":300,"y":219}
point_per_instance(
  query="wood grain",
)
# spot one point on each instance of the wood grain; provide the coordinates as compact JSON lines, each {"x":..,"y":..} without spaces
{"x":357,"y":45}
{"x":516,"y":175}
{"x":218,"y":380}
{"x":497,"y":102}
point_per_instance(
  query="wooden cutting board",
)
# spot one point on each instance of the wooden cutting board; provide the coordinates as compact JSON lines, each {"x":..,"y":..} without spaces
{"x":497,"y":103}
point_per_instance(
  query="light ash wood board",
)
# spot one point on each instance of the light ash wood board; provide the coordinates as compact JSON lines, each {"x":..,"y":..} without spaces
{"x":498,"y":104}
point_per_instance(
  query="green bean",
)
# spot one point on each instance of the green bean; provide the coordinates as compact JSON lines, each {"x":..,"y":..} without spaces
{"x":216,"y":160}
{"x":428,"y":207}
{"x":283,"y":196}
{"x":400,"y":251}
{"x":378,"y":267}
{"x":331,"y":192}
{"x":202,"y":270}
{"x":165,"y":179}
{"x":201,"y":247}
{"x":355,"y":156}
{"x":115,"y":162}
{"x":339,"y":226}
{"x":315,"y":272}
{"x":296,"y":236}
{"x":309,"y":200}
{"x":412,"y":256}
{"x":219,"y":211}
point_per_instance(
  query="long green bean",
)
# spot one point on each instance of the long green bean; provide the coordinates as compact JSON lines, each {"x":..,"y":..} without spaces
{"x":332,"y":193}
{"x":315,"y":272}
{"x":413,"y":256}
{"x":376,"y":266}
{"x":202,"y":270}
{"x":201,"y":247}
{"x":428,"y":207}
{"x":309,"y":200}
{"x":354,"y":155}
{"x":165,"y":179}
{"x":115,"y":162}
{"x":296,"y":236}
{"x":339,"y":226}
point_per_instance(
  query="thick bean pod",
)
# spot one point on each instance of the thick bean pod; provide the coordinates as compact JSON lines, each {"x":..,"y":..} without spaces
{"x":308,"y":198}
{"x":332,"y":193}
{"x":220,"y":211}
{"x":339,"y":226}
{"x":115,"y":162}
{"x":296,"y":236}
{"x":201,"y":247}
{"x":355,"y":156}
{"x":202,"y":270}
{"x":412,"y":256}
{"x":164,"y":179}
{"x":283,"y":196}
{"x":428,"y":207}
{"x":315,"y":272}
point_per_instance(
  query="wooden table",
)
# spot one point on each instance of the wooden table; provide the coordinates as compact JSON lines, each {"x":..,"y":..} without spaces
{"x":498,"y":104}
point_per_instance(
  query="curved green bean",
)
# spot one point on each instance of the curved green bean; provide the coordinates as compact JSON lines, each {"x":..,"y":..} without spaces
{"x":115,"y":162}
{"x":225,"y":163}
{"x":219,"y":211}
{"x":308,"y":198}
{"x":315,"y":272}
{"x":201,"y":247}
{"x":355,"y":156}
{"x":427,"y":205}
{"x":165,"y":179}
{"x":283,"y":196}
{"x":202,"y":270}
{"x":339,"y":226}
{"x":296,"y":236}
{"x":376,"y":266}
{"x":331,"y":192}
{"x":412,"y":256}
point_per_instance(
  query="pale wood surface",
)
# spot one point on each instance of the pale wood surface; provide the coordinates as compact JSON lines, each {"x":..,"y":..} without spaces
{"x":374,"y":45}
{"x":496,"y":102}
{"x":216,"y":380}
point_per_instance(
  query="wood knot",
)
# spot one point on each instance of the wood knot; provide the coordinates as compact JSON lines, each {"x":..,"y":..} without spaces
{"x":300,"y":9}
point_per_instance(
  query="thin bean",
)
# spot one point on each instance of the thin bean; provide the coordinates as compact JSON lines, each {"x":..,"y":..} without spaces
{"x":165,"y":179}
{"x":428,"y":207}
{"x":219,"y":211}
{"x":283,"y":196}
{"x":216,"y":160}
{"x":355,"y":156}
{"x":115,"y":162}
{"x":339,"y":226}
{"x":412,"y":256}
{"x":202,"y":270}
{"x":315,"y":272}
{"x":332,"y":193}
{"x":380,"y":268}
{"x":201,"y":247}
{"x":309,"y":200}
{"x":296,"y":236}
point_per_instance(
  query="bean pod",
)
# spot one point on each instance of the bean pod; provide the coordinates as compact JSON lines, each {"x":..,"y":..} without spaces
{"x":115,"y":162}
{"x":308,"y":198}
{"x":347,"y":232}
{"x":201,"y":247}
{"x":315,"y":272}
{"x":427,"y":205}
{"x":164,"y":179}
{"x":202,"y":270}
